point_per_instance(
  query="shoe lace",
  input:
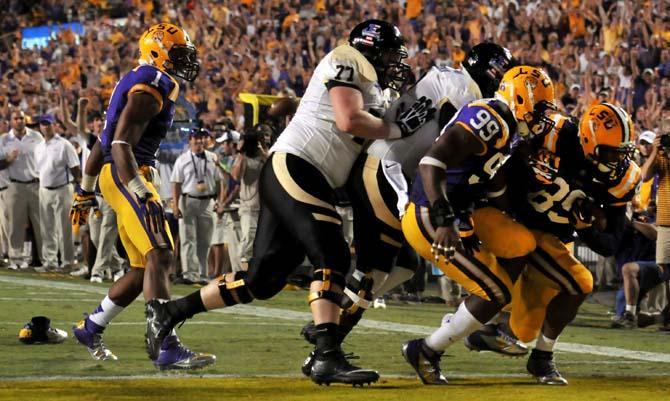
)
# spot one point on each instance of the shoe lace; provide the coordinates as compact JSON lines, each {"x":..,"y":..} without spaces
{"x":506,"y":338}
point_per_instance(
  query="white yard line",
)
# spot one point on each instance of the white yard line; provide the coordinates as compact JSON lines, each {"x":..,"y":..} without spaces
{"x":276,"y":313}
{"x":190,"y":375}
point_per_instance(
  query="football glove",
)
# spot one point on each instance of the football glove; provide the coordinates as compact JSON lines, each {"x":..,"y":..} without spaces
{"x":416,"y":116}
{"x":447,"y":239}
{"x":81,"y":207}
{"x":153,"y":212}
{"x":581,"y":214}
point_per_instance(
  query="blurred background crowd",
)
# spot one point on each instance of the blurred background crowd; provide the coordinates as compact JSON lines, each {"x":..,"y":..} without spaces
{"x":594,"y":50}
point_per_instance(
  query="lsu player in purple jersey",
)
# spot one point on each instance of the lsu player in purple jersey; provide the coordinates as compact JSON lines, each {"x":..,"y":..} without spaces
{"x":139,"y":114}
{"x":576,"y":179}
{"x":444,"y":221}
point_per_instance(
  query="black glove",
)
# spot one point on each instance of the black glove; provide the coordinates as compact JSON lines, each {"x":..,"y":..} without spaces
{"x":441,"y":214}
{"x":416,"y":116}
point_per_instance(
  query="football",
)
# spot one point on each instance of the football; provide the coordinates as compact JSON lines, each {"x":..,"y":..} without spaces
{"x":283,"y":107}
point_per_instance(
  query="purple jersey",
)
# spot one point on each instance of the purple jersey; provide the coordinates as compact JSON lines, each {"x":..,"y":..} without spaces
{"x":491,"y":121}
{"x":160,"y":85}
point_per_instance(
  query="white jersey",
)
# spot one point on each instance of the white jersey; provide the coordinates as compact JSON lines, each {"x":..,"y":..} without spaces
{"x":441,"y":85}
{"x":312,"y":134}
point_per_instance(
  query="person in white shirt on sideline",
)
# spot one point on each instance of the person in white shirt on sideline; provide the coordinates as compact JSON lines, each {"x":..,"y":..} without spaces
{"x":22,"y":196}
{"x":5,"y":160}
{"x":194,"y":185}
{"x":58,"y":167}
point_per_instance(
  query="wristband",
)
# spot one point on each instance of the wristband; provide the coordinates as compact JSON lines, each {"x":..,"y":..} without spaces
{"x":394,"y":131}
{"x":441,"y":213}
{"x":88,"y":182}
{"x":136,"y":185}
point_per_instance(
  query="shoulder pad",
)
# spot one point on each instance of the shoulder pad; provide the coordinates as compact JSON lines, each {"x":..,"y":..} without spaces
{"x":488,"y":119}
{"x":161,"y":85}
{"x":564,"y":133}
{"x":624,"y":188}
{"x":352,"y":57}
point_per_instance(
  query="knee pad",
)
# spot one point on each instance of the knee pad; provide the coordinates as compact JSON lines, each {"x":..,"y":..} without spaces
{"x":358,"y":291}
{"x":328,"y":277}
{"x":234,"y":289}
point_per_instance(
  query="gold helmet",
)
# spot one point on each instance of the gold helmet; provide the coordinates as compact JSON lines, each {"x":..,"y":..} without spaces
{"x":529,"y":93}
{"x":607,"y":136}
{"x":169,"y":48}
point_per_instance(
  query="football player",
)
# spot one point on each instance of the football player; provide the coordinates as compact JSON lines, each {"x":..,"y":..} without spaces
{"x":575,"y":179}
{"x":378,"y":185}
{"x":139,"y":114}
{"x":340,"y":110}
{"x":454,"y":176}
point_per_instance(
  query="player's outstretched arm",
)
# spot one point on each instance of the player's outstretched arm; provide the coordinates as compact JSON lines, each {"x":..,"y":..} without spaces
{"x":350,"y":116}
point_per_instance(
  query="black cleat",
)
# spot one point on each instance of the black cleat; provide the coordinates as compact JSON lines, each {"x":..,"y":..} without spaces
{"x":159,"y":326}
{"x":307,"y":364}
{"x":333,"y":367}
{"x":496,"y":340}
{"x":308,"y":331}
{"x":425,"y":361}
{"x":542,"y":366}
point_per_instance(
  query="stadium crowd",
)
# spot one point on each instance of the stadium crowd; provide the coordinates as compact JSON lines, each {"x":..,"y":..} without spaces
{"x":594,"y":50}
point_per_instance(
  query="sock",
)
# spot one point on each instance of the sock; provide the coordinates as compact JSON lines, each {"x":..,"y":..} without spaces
{"x":461,"y":324}
{"x":397,"y":276}
{"x":545,"y":344}
{"x":185,"y":307}
{"x":631,"y":308}
{"x":103,"y":314}
{"x":538,"y":354}
{"x":347,"y":323}
{"x":326,"y":337}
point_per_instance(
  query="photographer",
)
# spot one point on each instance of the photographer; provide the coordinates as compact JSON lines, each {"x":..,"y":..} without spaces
{"x":247,"y":170}
{"x":659,"y":163}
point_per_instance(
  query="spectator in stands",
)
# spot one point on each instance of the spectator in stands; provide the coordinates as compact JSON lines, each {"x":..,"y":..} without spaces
{"x":58,"y":167}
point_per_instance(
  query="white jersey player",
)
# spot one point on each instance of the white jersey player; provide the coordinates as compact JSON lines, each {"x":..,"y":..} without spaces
{"x":378,"y":184}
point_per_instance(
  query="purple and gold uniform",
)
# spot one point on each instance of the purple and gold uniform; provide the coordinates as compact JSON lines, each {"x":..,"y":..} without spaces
{"x":135,"y":235}
{"x":491,"y":122}
{"x":548,"y":180}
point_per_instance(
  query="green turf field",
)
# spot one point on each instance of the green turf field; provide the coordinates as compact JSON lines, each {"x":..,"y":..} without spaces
{"x":260,"y":352}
